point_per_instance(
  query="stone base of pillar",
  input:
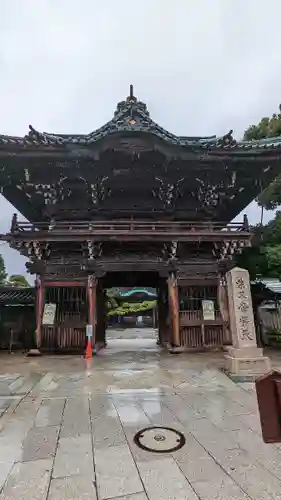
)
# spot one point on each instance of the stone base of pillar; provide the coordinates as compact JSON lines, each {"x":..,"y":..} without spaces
{"x":246,"y":363}
{"x":176,"y":350}
{"x":34,"y":352}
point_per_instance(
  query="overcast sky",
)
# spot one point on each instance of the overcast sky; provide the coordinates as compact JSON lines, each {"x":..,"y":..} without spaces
{"x":202,"y":66}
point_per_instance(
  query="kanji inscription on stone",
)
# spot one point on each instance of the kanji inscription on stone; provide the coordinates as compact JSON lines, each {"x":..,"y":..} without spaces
{"x":240,"y":284}
{"x":241,"y":311}
{"x":243,"y":306}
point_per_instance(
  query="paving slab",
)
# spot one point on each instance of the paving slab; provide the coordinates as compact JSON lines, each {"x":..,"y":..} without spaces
{"x":220,"y":489}
{"x":5,"y":469}
{"x":134,"y":496}
{"x":163,"y":479}
{"x":40,"y":443}
{"x":74,"y":457}
{"x":29,"y":480}
{"x":72,"y":488}
{"x":50,"y":413}
{"x":107,"y":430}
{"x":76,"y":418}
{"x":257,"y":482}
{"x":5,"y":388}
{"x":116,"y":472}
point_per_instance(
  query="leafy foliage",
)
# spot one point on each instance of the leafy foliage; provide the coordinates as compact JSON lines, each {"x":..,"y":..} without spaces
{"x":267,"y":127}
{"x":113,"y":295}
{"x":116,"y":306}
{"x":132,"y":308}
{"x":18,"y":281}
{"x":264,"y":257}
{"x":3,"y":274}
{"x":270,"y":198}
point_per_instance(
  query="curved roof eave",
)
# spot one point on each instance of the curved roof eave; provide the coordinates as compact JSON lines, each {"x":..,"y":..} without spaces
{"x":132,"y":116}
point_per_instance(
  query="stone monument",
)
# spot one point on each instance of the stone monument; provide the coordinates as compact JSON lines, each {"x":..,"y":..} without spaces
{"x":244,"y":358}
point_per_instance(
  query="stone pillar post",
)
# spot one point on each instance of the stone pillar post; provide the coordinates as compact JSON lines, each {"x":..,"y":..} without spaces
{"x":244,"y":358}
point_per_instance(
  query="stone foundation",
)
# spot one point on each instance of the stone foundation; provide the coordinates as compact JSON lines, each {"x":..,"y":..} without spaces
{"x":244,"y":359}
{"x":248,"y":361}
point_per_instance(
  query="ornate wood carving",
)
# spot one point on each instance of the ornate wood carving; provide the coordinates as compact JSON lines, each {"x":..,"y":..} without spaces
{"x":98,"y":190}
{"x":226,"y":249}
{"x":67,"y":273}
{"x":207,"y":193}
{"x":169,"y":251}
{"x":36,"y":250}
{"x":94,"y":249}
{"x":167,"y":192}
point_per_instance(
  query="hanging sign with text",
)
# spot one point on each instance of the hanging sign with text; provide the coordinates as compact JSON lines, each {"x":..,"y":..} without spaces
{"x":49,"y":314}
{"x":208,"y":310}
{"x":89,"y":331}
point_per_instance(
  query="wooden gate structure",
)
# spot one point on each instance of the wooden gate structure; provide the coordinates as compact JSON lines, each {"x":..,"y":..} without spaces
{"x":198,"y":332}
{"x":132,"y":204}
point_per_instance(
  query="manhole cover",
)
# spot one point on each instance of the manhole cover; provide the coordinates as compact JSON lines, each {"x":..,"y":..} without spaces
{"x":159,"y":439}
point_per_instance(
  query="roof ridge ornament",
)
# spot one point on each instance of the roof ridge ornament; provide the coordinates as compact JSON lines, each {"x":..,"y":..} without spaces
{"x":130,"y":108}
{"x":131,"y":99}
{"x":227,"y":139}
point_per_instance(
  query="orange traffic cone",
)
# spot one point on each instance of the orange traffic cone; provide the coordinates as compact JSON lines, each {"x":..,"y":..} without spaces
{"x":89,"y":349}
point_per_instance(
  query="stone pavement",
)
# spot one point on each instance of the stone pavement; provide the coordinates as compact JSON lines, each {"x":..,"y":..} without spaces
{"x":67,"y":428}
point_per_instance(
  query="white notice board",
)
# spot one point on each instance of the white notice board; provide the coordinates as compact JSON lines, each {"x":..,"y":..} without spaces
{"x":49,"y":314}
{"x":89,"y":331}
{"x":208,"y":310}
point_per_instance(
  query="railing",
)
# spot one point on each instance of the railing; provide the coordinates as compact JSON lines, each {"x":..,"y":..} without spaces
{"x":57,"y":338}
{"x":195,"y":332}
{"x":195,"y":317}
{"x":103,"y":227}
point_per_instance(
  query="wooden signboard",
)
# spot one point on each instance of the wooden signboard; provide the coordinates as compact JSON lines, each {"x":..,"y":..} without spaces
{"x":89,"y":331}
{"x":208,"y":310}
{"x":49,"y":314}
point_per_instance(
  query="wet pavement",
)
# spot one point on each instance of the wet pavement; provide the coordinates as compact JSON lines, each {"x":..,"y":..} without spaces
{"x":67,"y":427}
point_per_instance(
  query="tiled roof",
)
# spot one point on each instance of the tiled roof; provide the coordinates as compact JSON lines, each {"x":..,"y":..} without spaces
{"x":273,"y":284}
{"x":10,"y":295}
{"x":132,"y":116}
{"x":139,"y":291}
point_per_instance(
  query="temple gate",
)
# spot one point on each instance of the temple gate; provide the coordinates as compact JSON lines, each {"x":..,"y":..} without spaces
{"x":132,"y":204}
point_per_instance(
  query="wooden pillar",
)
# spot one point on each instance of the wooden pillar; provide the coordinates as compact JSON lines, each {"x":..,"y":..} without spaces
{"x":92,"y":302}
{"x":163,"y":312}
{"x":154,"y":317}
{"x":100,"y":317}
{"x":224,"y":311}
{"x":174,"y":310}
{"x":104,"y":311}
{"x":39,"y":308}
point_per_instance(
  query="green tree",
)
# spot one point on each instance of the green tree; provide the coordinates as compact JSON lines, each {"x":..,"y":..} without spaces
{"x":264,"y":257}
{"x":270,"y":198}
{"x":3,"y":274}
{"x":132,"y":308}
{"x":113,"y":296}
{"x":273,"y":256}
{"x":18,"y":281}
